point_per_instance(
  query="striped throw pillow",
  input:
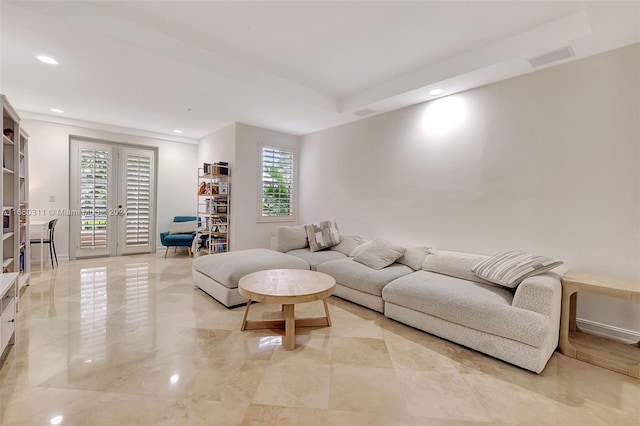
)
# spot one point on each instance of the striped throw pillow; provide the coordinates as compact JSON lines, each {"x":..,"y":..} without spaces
{"x":510,"y":268}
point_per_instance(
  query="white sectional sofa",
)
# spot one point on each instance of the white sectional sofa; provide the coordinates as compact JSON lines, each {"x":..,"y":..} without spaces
{"x":432,"y":290}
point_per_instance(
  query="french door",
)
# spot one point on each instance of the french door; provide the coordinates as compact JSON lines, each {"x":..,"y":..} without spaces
{"x":112,"y":199}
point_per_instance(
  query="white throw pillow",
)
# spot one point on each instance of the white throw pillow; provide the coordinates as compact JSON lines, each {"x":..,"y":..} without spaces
{"x":322,"y":235}
{"x":414,"y":256}
{"x":291,"y":238}
{"x":510,"y":268}
{"x":348,"y":243}
{"x":183,"y":227}
{"x":379,"y":254}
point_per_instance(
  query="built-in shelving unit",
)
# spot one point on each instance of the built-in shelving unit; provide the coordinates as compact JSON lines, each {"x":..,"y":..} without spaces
{"x":214,"y":201}
{"x":14,"y":250}
{"x":8,"y":307}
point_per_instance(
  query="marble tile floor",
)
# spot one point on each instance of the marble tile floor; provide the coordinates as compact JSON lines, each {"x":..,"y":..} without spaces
{"x":131,"y":341}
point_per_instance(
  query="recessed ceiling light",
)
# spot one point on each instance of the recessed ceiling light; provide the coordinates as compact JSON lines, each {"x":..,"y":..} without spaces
{"x":177,"y":131}
{"x":58,"y":110}
{"x":436,"y":92}
{"x":47,"y":59}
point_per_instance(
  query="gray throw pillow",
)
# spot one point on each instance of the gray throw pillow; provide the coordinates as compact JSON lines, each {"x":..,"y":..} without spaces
{"x":414,"y":256}
{"x":510,"y":268}
{"x":379,"y":254}
{"x":348,"y":243}
{"x":360,"y":248}
{"x":454,"y":264}
{"x":322,"y":235}
{"x":291,"y":238}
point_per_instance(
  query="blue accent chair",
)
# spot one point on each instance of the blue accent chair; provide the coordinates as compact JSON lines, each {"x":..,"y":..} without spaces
{"x":179,"y":240}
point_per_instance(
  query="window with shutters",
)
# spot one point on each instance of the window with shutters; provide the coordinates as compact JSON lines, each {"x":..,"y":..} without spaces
{"x":277,"y":183}
{"x":138,"y":194}
{"x":94,"y":191}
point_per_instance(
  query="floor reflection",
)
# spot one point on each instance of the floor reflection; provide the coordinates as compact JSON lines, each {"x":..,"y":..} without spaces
{"x":93,"y":314}
{"x":137,"y":294}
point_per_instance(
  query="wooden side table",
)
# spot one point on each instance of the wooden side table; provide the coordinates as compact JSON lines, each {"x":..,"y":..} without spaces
{"x":607,"y":353}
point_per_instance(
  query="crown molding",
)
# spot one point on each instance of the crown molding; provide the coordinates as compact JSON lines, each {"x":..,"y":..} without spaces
{"x":28,"y":115}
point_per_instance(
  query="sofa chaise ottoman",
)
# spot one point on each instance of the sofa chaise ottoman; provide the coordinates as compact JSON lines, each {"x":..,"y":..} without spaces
{"x":218,"y":274}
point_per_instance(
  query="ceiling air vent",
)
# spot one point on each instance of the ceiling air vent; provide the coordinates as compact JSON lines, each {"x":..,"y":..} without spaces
{"x":364,"y":112}
{"x":556,"y":55}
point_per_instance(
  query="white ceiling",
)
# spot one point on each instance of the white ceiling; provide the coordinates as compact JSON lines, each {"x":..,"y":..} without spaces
{"x":296,"y":67}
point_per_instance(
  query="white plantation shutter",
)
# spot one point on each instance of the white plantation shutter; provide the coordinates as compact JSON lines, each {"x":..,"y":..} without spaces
{"x":138,"y":196}
{"x":94,"y":190}
{"x":277,"y":195}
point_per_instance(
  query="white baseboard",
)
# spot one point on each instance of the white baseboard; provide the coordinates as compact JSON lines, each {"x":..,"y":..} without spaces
{"x":608,"y":331}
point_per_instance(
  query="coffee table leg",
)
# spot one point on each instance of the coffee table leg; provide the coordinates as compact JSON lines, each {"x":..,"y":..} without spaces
{"x":246,"y":314}
{"x":289,"y":328}
{"x":326,"y":311}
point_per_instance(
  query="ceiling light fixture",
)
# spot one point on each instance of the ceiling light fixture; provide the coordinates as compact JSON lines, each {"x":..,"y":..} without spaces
{"x":47,"y":59}
{"x":436,"y":92}
{"x":58,"y":110}
{"x":177,"y":131}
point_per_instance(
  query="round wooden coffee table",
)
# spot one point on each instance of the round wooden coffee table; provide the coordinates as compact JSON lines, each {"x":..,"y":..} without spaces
{"x":286,"y":287}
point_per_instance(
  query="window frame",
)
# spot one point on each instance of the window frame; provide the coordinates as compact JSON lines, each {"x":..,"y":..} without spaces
{"x":294,"y":184}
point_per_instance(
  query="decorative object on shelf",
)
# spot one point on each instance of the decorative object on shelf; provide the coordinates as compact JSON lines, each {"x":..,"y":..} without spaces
{"x":221,"y":168}
{"x":8,"y":133}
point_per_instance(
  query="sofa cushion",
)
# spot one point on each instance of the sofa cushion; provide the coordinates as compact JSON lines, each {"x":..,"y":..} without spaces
{"x":478,"y":306}
{"x":414,"y":256}
{"x":348,"y":243}
{"x":179,"y":238}
{"x":454,"y":264}
{"x":316,"y":258}
{"x":291,"y":238}
{"x":322,"y":235}
{"x":349,"y":273}
{"x":228,"y":268}
{"x":183,"y":227}
{"x":510,"y":268}
{"x":379,"y":254}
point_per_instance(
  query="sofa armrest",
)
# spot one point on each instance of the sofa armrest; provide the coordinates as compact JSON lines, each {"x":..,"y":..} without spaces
{"x":541,"y":293}
{"x":162,"y":237}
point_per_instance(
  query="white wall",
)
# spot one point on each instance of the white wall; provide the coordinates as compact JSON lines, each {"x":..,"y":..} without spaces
{"x":49,"y":173}
{"x":218,"y":146}
{"x":547,"y":162}
{"x":247,"y":232}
